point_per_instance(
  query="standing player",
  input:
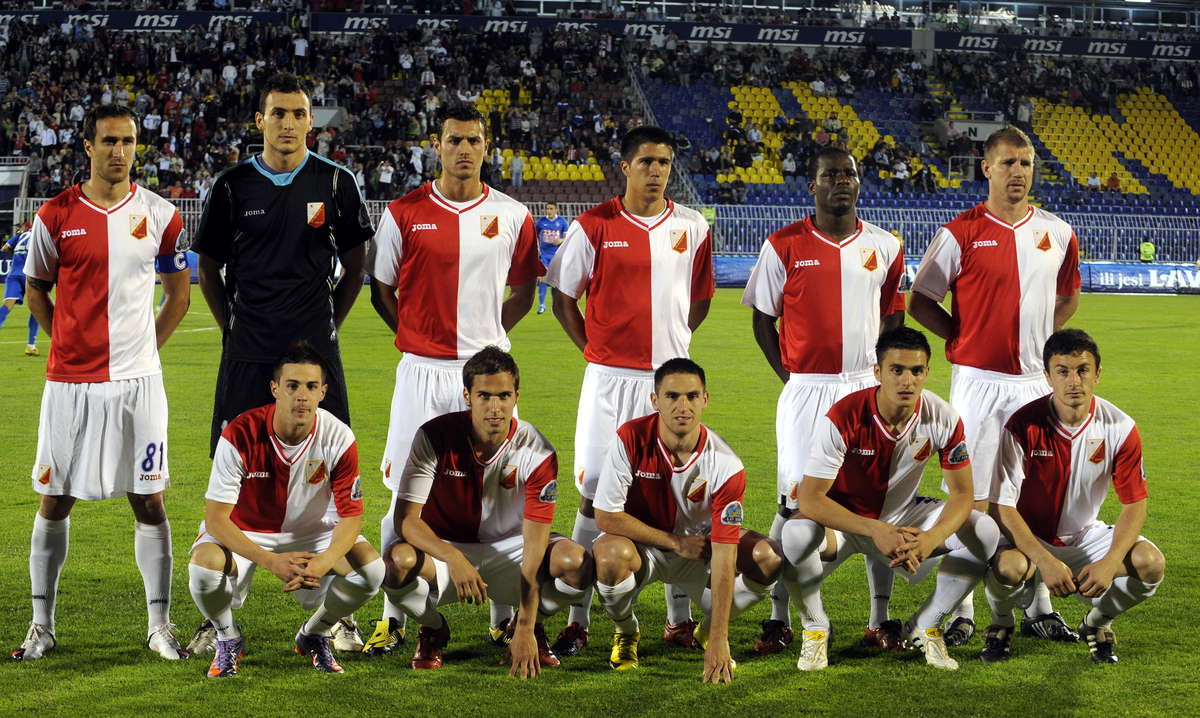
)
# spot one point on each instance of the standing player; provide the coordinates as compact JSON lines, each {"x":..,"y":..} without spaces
{"x":475,"y":504}
{"x":1013,"y":270}
{"x":859,"y":495}
{"x":669,"y":502}
{"x":444,"y":254}
{"x":278,"y":223}
{"x":103,"y":426}
{"x":551,"y":230}
{"x":645,"y":264}
{"x":832,"y":280}
{"x":14,"y":283}
{"x":1058,"y":457}
{"x":276,"y":470}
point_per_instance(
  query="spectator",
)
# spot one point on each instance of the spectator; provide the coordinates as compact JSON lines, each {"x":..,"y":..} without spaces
{"x":1146,"y":250}
{"x":789,"y":165}
{"x":1093,"y":182}
{"x":516,"y":168}
{"x":1114,"y":183}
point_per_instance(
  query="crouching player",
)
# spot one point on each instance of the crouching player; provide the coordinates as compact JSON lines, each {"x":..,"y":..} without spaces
{"x":669,"y":504}
{"x":274,"y":472}
{"x":1058,"y":456}
{"x":473,"y":513}
{"x":859,"y":495}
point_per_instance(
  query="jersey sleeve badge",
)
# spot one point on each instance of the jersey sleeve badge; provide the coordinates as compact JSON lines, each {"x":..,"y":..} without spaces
{"x":316,"y":214}
{"x":314,"y":471}
{"x":183,"y":242}
{"x":489,"y":226}
{"x":138,"y":228}
{"x":356,"y":490}
{"x":732,"y":515}
{"x":679,"y":240}
{"x":549,"y":494}
{"x":960,"y":454}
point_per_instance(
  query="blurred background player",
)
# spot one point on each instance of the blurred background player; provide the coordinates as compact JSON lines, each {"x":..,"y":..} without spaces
{"x":103,"y":427}
{"x":645,"y":264}
{"x":1058,"y":457}
{"x":475,"y":504}
{"x":832,"y":281}
{"x":551,"y":230}
{"x":669,"y":501}
{"x":293,"y":445}
{"x":1013,"y":271}
{"x":14,"y":282}
{"x":443,"y":255}
{"x":278,"y":223}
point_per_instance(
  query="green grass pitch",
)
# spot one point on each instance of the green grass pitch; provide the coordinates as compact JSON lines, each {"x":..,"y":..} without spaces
{"x":101,"y":668}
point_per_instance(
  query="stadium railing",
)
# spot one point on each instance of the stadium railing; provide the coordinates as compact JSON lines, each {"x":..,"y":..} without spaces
{"x":742,"y":229}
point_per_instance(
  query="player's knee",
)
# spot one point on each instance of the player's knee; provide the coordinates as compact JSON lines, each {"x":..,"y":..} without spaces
{"x":768,"y":558}
{"x":613,"y":556}
{"x":1012,"y":567}
{"x":371,"y":575}
{"x":801,"y":537}
{"x":987,"y":534}
{"x":572,"y":563}
{"x":1148,"y":562}
{"x":212,"y":557}
{"x":148,"y":509}
{"x":400,"y":562}
{"x":55,"y":508}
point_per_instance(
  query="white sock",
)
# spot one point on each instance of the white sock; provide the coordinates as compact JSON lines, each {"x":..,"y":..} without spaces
{"x":387,"y":536}
{"x":500,"y":614}
{"x":1040,"y":606}
{"x":344,"y":595}
{"x":618,"y":602}
{"x":780,"y":600}
{"x":47,"y":554}
{"x":585,"y":534}
{"x":971,"y":547}
{"x":213,"y":593}
{"x":746,"y":594}
{"x":679,"y":606}
{"x":152,"y":549}
{"x":1002,"y":598}
{"x":557,"y":594}
{"x":966,"y":609}
{"x":803,"y":572}
{"x":1123,"y":593}
{"x":413,"y":599}
{"x":880,"y":578}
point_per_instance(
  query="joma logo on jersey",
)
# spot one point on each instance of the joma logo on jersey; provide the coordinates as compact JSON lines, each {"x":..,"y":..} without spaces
{"x":137,"y":226}
{"x":150,"y":477}
{"x":254,"y":213}
{"x":43,"y":474}
{"x":807,"y":263}
{"x":426,"y":225}
{"x":258,"y":475}
{"x":509,"y":477}
{"x":1095,"y":450}
{"x":613,"y":244}
{"x":489,"y":226}
{"x":455,"y":473}
{"x":862,"y":452}
{"x":696,"y":495}
{"x":73,"y":233}
{"x":921,"y":448}
{"x":316,"y":214}
{"x":1041,"y":239}
{"x":679,"y":240}
{"x":314,"y":471}
{"x":647,"y":475}
{"x":869,"y":261}
{"x":985,"y":243}
{"x":1042,"y":452}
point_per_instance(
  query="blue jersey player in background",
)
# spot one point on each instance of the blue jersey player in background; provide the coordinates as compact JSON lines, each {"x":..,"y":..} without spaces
{"x":551,"y":230}
{"x":14,"y":284}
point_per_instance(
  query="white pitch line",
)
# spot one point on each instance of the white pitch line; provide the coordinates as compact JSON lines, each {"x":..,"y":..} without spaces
{"x":181,"y":331}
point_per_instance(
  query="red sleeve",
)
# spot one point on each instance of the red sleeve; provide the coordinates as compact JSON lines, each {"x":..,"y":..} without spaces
{"x":541,"y":491}
{"x":526,"y":262}
{"x":1129,"y":471}
{"x":171,"y":235}
{"x":954,"y":454}
{"x":891,"y":299}
{"x":727,"y":510}
{"x":1068,"y":274}
{"x":704,"y":286}
{"x":346,"y":484}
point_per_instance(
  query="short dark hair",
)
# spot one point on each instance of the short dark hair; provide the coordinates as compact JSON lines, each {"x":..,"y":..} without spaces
{"x":901,"y":337}
{"x":105,"y":112}
{"x":552,"y":202}
{"x":490,"y":360}
{"x":1007,"y":135}
{"x":300,"y":352}
{"x":1069,"y":342}
{"x":645,"y":135}
{"x":284,"y":83}
{"x":678,"y":365}
{"x":814,"y":162}
{"x":461,"y":112}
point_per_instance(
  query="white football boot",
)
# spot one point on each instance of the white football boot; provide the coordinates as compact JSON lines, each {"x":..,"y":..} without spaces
{"x":932,"y":643}
{"x":162,"y":641}
{"x":38,"y":641}
{"x":814,"y":653}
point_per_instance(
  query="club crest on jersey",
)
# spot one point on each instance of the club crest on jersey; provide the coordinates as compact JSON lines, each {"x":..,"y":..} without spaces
{"x":356,"y":490}
{"x":679,"y":240}
{"x":387,"y":468}
{"x":579,"y":477}
{"x":732,"y":514}
{"x":314,"y":471}
{"x":489,"y":226}
{"x":316,"y":214}
{"x":1095,"y":451}
{"x":1041,"y":239}
{"x":137,"y":226}
{"x":549,"y":493}
{"x":43,"y":474}
{"x":921,"y":448}
{"x":696,"y":495}
{"x":509,"y":477}
{"x":794,"y":490}
{"x":869,"y":261}
{"x":960,"y":454}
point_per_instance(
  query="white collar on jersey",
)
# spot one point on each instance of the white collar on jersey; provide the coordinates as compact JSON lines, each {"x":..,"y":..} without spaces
{"x":456,"y":207}
{"x":1002,"y":223}
{"x":912,"y":420}
{"x":700,"y":444}
{"x":115,"y":208}
{"x":1070,"y":433}
{"x":278,"y":445}
{"x":647,"y":223}
{"x":817,"y":233}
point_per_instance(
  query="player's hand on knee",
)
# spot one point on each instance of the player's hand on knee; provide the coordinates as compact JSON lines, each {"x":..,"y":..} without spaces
{"x":291,"y":568}
{"x":892,"y":541}
{"x":1095,"y":578}
{"x":921,"y":544}
{"x":467,"y":581}
{"x":718,"y":665}
{"x":523,"y":651}
{"x":1058,"y":578}
{"x":696,"y":548}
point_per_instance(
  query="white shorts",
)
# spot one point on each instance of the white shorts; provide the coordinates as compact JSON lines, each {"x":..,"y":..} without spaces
{"x":610,"y":397}
{"x":308,"y":598}
{"x":686,"y":575}
{"x":984,"y":400}
{"x":102,"y":440}
{"x":922,"y":513}
{"x":1086,"y":548}
{"x":805,"y":399}
{"x":425,"y":389}
{"x":498,"y":564}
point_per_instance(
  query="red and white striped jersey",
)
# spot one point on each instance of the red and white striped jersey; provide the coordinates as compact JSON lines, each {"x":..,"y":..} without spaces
{"x":704,"y":496}
{"x":640,"y":281}
{"x":1004,"y":278}
{"x":876,"y":473}
{"x":471,"y":501}
{"x":831,"y":295}
{"x":281,"y":489}
{"x":103,"y":261}
{"x":450,"y":262}
{"x":1057,"y":476}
